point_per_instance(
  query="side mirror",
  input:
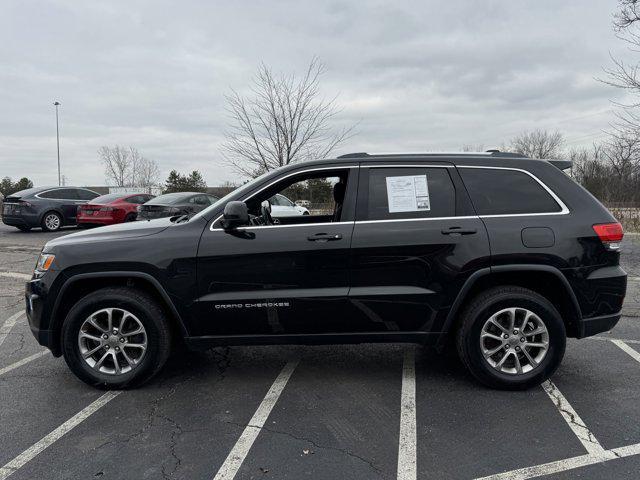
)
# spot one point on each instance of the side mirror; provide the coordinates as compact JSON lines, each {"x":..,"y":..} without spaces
{"x":235,"y":215}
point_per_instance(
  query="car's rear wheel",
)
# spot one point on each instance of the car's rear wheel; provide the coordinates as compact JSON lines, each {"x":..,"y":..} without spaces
{"x":51,"y":221}
{"x":116,"y":338}
{"x":511,"y":338}
{"x":131,"y":217}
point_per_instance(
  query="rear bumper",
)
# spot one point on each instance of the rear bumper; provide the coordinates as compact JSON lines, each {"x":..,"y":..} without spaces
{"x":21,"y":221}
{"x":592,"y":326}
{"x":91,"y":220}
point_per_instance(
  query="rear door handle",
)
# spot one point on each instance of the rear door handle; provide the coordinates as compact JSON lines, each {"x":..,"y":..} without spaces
{"x":459,"y":231}
{"x":324,"y":237}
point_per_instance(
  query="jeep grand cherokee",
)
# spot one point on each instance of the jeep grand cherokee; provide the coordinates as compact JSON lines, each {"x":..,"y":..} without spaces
{"x":503,"y":255}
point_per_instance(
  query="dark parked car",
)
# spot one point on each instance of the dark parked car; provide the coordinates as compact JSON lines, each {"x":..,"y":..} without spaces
{"x":179,"y":203}
{"x":48,"y":207}
{"x":111,"y":208}
{"x":500,"y":256}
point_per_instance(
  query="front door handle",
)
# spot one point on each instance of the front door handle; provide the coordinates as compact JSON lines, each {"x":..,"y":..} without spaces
{"x":459,"y":231}
{"x":324,"y":237}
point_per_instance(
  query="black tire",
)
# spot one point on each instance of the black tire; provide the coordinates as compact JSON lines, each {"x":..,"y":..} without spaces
{"x":49,"y":226}
{"x":24,"y":228}
{"x":148,"y":312}
{"x":480,"y":309}
{"x":131,"y":217}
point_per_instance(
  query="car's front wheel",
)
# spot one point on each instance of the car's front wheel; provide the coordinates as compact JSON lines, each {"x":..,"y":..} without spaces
{"x":511,"y":338}
{"x":116,"y":337}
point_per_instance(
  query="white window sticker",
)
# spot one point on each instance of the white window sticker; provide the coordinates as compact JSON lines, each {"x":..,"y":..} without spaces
{"x":408,"y":194}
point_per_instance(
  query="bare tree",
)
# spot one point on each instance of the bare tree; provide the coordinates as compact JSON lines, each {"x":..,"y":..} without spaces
{"x":126,"y":167}
{"x":622,"y":74}
{"x":538,"y":144}
{"x":284,"y":120}
{"x":147,"y":172}
{"x":468,"y":147}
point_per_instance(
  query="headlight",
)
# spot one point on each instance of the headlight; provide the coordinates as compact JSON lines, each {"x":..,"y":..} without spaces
{"x":45,"y":260}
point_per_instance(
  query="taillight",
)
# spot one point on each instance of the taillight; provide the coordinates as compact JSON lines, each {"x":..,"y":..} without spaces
{"x":610,"y":234}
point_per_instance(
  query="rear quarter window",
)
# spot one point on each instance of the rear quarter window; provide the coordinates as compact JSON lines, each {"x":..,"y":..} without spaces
{"x":506,"y":192}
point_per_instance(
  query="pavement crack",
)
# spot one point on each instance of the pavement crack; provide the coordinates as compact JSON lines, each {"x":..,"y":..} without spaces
{"x":344,"y":451}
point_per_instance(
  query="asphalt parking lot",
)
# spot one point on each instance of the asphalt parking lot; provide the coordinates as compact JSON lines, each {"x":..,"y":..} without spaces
{"x":366,"y":411}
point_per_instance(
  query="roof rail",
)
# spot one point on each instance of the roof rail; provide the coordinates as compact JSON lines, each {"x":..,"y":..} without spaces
{"x":354,"y":155}
{"x":498,"y":153}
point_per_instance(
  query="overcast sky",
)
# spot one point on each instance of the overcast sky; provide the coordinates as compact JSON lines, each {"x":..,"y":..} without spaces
{"x":415,"y":76}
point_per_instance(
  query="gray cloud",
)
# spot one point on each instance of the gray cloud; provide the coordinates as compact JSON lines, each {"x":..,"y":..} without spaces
{"x":415,"y":75}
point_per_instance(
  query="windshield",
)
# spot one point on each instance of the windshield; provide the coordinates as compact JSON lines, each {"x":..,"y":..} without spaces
{"x":238,"y":191}
{"x":110,"y":197}
{"x":169,"y":198}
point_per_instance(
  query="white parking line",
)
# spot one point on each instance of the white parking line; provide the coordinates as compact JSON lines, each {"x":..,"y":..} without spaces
{"x":55,"y":435}
{"x":240,"y":450}
{"x":8,"y":325}
{"x":572,"y":418}
{"x":19,"y":276}
{"x":407,"y":460}
{"x":626,"y":348}
{"x":22,"y":362}
{"x":612,"y":339}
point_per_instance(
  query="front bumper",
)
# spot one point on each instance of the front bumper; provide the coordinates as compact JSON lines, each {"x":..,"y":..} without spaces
{"x":35,"y":295}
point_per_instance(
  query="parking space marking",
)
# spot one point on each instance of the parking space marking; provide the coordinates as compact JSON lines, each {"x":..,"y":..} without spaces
{"x":239,"y":452}
{"x":8,"y":325}
{"x":597,"y":454}
{"x":627,"y":349}
{"x":407,"y":458}
{"x":19,"y":276}
{"x":566,"y":464}
{"x":22,"y":362}
{"x":625,"y":340}
{"x":49,"y":439}
{"x":572,"y":418}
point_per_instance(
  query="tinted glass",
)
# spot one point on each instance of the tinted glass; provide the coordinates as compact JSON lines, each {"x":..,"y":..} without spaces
{"x":199,"y":200}
{"x":503,"y":192}
{"x":86,"y":194}
{"x":170,"y":198}
{"x":410,"y":193}
{"x":61,"y":194}
{"x":110,"y":197}
{"x":28,"y":191}
{"x":275,"y":200}
{"x":284,"y":201}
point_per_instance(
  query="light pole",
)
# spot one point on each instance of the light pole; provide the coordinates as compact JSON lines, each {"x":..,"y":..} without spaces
{"x":56,"y":103}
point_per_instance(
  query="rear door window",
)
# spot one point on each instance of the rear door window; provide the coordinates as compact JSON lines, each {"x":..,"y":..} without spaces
{"x":413,"y":192}
{"x":86,"y":194}
{"x":506,"y":192}
{"x":61,"y":194}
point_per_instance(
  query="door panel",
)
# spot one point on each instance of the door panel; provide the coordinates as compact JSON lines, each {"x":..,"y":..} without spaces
{"x":405,"y":272}
{"x":415,"y":242}
{"x":273,"y":280}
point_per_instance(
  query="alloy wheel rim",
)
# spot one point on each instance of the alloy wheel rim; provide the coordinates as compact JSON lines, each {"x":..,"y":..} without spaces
{"x":514,"y":341}
{"x":52,"y":222}
{"x":112,"y":341}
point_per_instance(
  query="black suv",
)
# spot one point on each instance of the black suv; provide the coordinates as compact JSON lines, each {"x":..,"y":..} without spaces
{"x":502,"y":255}
{"x":50,"y":208}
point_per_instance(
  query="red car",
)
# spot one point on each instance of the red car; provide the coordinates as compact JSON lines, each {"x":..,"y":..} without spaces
{"x":111,"y":208}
